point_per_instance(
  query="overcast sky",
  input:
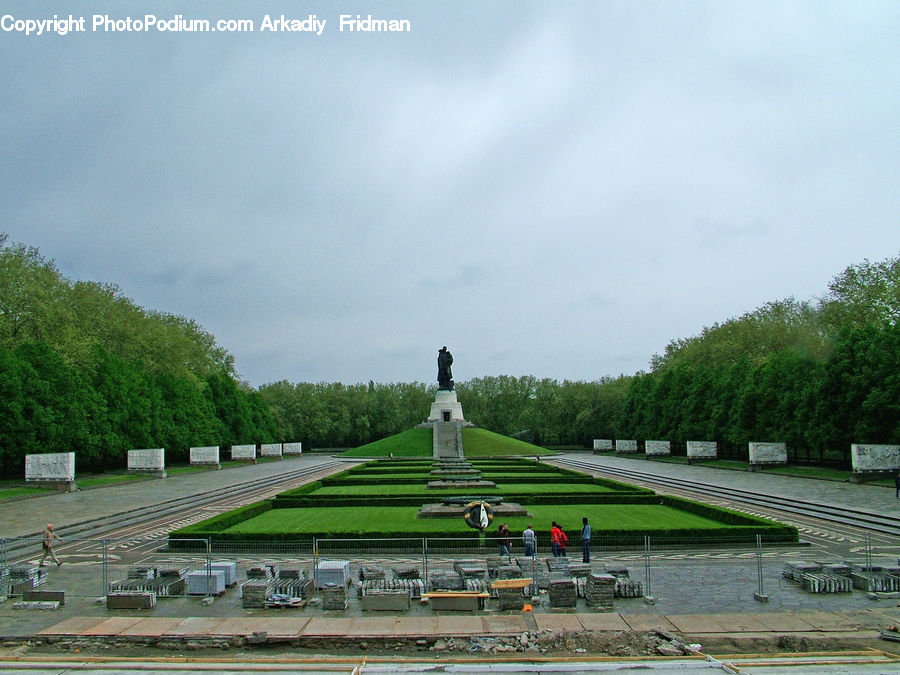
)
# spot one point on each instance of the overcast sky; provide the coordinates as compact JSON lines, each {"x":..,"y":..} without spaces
{"x":547,"y":188}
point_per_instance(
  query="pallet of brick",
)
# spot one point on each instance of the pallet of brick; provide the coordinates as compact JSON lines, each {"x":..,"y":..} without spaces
{"x":579,"y":569}
{"x":367,"y":572}
{"x":333,"y":572}
{"x":796,"y":569}
{"x":626,"y":587}
{"x":414,"y":587}
{"x":511,"y":598}
{"x":493,"y":563}
{"x":260,"y":573}
{"x":446,"y":581}
{"x":334,"y":596}
{"x":562,"y":592}
{"x":130,"y":600}
{"x":599,"y":591}
{"x":294,"y":581}
{"x":406,"y":572}
{"x":254,"y":594}
{"x":822,"y":582}
{"x":472,"y":570}
{"x":558,"y":565}
{"x":385,"y":600}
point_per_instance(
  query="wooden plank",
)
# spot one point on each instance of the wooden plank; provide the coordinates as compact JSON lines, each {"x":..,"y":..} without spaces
{"x":512,"y":583}
{"x":456,"y":594}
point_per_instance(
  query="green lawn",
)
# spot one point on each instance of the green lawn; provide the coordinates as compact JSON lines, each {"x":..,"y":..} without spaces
{"x":410,"y":443}
{"x":373,"y":521}
{"x":17,"y":492}
{"x":418,"y":443}
{"x":108,"y":479}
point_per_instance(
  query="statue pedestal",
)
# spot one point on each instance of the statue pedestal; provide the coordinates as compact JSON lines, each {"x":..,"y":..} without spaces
{"x":446,"y":408}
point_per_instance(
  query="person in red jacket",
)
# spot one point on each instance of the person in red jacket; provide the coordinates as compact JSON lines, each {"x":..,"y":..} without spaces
{"x":555,"y":533}
{"x":563,"y":541}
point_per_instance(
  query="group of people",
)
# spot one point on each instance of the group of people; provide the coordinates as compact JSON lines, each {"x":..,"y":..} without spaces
{"x":558,"y":540}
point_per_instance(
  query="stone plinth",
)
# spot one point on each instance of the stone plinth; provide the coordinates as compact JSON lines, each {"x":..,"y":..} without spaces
{"x":243,"y":453}
{"x":657,"y":448}
{"x":603,"y":445}
{"x":874,"y":460}
{"x":51,"y":469}
{"x":206,"y":455}
{"x":767,"y":454}
{"x":150,"y":462}
{"x":271,"y":450}
{"x":626,"y":447}
{"x":292,"y":448}
{"x":446,"y":440}
{"x":699,"y":450}
{"x":445,"y":407}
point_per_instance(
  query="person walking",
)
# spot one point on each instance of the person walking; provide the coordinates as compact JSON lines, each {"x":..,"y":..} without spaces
{"x":529,"y":538}
{"x":897,"y":486}
{"x":504,"y":542}
{"x":47,"y":545}
{"x":555,"y":533}
{"x":585,"y":540}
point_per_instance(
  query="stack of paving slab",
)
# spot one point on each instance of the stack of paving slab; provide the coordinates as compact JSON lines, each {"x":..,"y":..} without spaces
{"x":385,"y":600}
{"x":293,"y":582}
{"x":562,"y":591}
{"x":332,"y":572}
{"x":131,"y":600}
{"x":558,"y":565}
{"x":406,"y":572}
{"x":446,"y":581}
{"x":510,"y":598}
{"x":334,"y":596}
{"x":470,"y":569}
{"x":874,"y":580}
{"x":370,"y":572}
{"x":412,"y":587}
{"x":817,"y":578}
{"x":229,"y":569}
{"x":626,"y":587}
{"x":4,"y":582}
{"x":254,"y":593}
{"x":24,"y":577}
{"x":206,"y":582}
{"x":163,"y":583}
{"x":599,"y":591}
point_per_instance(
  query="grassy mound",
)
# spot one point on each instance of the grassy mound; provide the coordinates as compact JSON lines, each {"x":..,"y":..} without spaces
{"x":417,"y":443}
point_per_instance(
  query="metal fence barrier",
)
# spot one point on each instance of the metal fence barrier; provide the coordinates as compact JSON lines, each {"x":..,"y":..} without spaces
{"x":722,"y":575}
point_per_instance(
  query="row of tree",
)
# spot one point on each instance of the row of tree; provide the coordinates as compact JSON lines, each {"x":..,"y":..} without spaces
{"x":83,"y":369}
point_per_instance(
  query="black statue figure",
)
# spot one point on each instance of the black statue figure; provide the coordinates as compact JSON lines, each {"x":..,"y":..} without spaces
{"x":445,"y":376}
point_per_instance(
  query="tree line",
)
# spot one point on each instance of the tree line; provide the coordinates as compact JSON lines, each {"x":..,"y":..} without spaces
{"x":83,"y":369}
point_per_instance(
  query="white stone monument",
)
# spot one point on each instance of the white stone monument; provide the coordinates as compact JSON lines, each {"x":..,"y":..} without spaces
{"x":698,"y":451}
{"x":445,"y":407}
{"x":243,"y":453}
{"x":626,"y":447}
{"x":603,"y":445}
{"x":207,"y":455}
{"x":767,"y":454}
{"x":870,"y":461}
{"x":150,"y":462}
{"x":292,"y":448}
{"x":657,"y":448}
{"x":52,"y":469}
{"x":271,"y":450}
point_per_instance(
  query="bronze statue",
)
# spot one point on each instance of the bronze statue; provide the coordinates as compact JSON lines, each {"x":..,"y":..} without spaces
{"x":445,"y":376}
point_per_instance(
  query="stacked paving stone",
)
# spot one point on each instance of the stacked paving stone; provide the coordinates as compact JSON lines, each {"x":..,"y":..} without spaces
{"x":446,"y":581}
{"x":367,"y":572}
{"x":509,"y":572}
{"x":414,"y":587}
{"x":293,"y":582}
{"x":562,"y":592}
{"x":24,"y":577}
{"x":477,"y":585}
{"x":254,"y":594}
{"x":626,"y":587}
{"x":470,"y":569}
{"x":162,"y":583}
{"x":841,"y":569}
{"x":599,"y":591}
{"x":334,"y":596}
{"x":873,"y":581}
{"x":406,"y":572}
{"x":510,"y":598}
{"x":558,"y":565}
{"x":493,"y":564}
{"x":4,"y":582}
{"x":140,"y":572}
{"x":822,"y":582}
{"x":796,"y":569}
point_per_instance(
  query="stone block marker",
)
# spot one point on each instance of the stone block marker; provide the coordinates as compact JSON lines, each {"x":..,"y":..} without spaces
{"x":767,"y":454}
{"x":626,"y":447}
{"x":603,"y":444}
{"x":270,"y":450}
{"x":700,"y":450}
{"x":206,"y":456}
{"x":151,"y":462}
{"x":292,"y":448}
{"x":53,"y":469}
{"x":657,"y":448}
{"x":243,"y":453}
{"x":870,"y":461}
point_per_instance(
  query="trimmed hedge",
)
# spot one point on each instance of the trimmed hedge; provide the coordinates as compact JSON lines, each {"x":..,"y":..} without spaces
{"x":222,"y":521}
